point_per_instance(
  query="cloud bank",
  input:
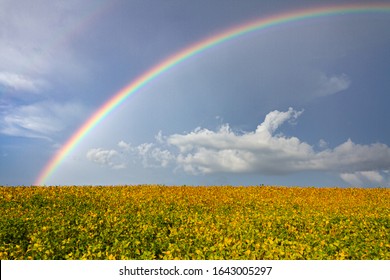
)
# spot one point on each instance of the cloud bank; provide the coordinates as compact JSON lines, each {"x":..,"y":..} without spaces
{"x":262,"y":151}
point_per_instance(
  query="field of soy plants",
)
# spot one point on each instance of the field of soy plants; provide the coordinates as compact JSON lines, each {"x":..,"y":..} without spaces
{"x":182,"y":222}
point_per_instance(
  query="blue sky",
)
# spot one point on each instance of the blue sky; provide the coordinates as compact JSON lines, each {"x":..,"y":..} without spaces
{"x":298,"y":104}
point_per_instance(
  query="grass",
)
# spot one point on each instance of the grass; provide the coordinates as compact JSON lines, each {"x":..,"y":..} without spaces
{"x":183,"y":222}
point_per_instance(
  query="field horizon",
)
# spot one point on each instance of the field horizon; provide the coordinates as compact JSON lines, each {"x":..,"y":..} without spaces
{"x":194,"y":222}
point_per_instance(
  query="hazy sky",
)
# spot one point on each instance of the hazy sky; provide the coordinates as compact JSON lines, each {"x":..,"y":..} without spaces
{"x":303,"y":103}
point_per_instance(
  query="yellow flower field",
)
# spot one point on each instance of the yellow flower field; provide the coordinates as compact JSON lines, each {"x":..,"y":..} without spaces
{"x":160,"y":222}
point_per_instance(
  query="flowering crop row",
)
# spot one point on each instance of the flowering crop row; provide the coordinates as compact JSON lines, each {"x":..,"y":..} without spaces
{"x":160,"y":222}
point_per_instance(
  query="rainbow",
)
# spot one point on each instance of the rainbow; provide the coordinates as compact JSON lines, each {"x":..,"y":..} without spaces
{"x":191,"y":51}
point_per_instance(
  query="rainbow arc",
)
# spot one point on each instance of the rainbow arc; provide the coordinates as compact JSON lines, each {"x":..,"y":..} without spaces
{"x":118,"y":98}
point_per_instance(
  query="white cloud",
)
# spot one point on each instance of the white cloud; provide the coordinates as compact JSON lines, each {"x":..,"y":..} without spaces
{"x":364,"y":178}
{"x":162,"y":157}
{"x":350,"y":157}
{"x":103,"y":157}
{"x":39,"y":120}
{"x":261,"y":151}
{"x":322,"y":144}
{"x":204,"y":151}
{"x":153,"y":156}
{"x":20,"y":82}
{"x":275,"y":119}
{"x":373,"y":176}
{"x":148,"y":153}
{"x":125,"y":146}
{"x":331,"y":85}
{"x":159,"y":137}
{"x":352,"y":179}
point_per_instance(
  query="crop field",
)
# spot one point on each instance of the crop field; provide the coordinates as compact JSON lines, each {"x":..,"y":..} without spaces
{"x":168,"y":222}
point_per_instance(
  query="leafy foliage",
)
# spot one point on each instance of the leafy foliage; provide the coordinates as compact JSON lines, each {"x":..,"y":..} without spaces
{"x":159,"y":222}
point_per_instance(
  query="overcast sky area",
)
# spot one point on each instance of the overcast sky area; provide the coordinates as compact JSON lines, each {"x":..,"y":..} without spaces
{"x":298,"y":104}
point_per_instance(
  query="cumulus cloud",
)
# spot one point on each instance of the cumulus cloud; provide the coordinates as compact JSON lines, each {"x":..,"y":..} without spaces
{"x":38,"y":120}
{"x":104,"y":157}
{"x":262,"y":151}
{"x":328,"y":85}
{"x":205,"y":151}
{"x":125,"y":146}
{"x":149,"y":154}
{"x":363,"y":178}
{"x":322,"y":144}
